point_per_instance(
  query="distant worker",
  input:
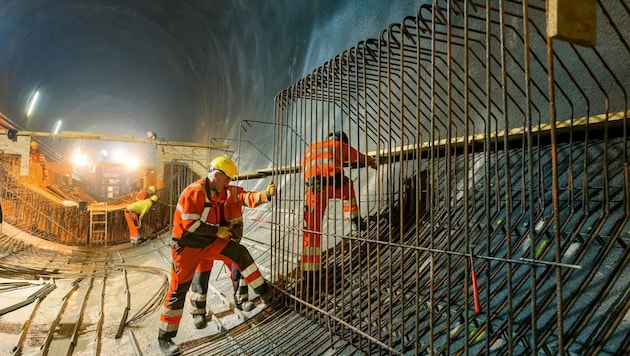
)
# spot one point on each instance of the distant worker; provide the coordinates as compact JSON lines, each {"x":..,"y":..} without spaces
{"x":134,"y":213}
{"x":38,"y":157}
{"x":146,"y":193}
{"x":201,"y":235}
{"x":322,"y":167}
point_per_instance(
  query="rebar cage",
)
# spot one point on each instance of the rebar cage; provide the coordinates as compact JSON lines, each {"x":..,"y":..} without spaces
{"x":502,"y":156}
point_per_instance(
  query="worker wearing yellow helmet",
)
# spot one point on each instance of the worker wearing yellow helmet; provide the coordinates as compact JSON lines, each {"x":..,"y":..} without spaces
{"x":207,"y":226}
{"x":38,"y":157}
{"x":134,"y":213}
{"x":146,"y":193}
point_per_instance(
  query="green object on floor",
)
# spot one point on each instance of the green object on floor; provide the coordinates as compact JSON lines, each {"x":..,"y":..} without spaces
{"x":472,"y":333}
{"x":540,"y":248}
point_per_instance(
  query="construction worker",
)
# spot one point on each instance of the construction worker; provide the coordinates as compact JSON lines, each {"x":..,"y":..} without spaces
{"x":38,"y":157}
{"x":146,"y":193}
{"x":201,"y":235}
{"x":322,"y":167}
{"x":134,"y":213}
{"x":234,"y":219}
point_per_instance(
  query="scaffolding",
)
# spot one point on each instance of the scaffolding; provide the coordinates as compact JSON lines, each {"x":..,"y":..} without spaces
{"x":502,"y":154}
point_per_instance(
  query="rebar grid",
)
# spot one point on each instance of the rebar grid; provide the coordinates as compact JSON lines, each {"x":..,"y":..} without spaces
{"x":498,"y":150}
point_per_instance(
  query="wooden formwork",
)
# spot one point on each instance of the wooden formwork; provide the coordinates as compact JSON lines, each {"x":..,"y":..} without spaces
{"x":48,"y":213}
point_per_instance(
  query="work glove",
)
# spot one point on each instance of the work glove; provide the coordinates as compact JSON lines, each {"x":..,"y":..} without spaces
{"x":224,"y":232}
{"x":236,"y":226}
{"x":271,"y":190}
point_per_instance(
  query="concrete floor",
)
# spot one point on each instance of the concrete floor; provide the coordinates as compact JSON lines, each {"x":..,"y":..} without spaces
{"x":146,"y":273}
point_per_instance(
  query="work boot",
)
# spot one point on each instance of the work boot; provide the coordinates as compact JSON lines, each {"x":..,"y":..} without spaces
{"x":168,"y":347}
{"x":267,"y":295}
{"x":246,"y":306}
{"x":200,"y":321}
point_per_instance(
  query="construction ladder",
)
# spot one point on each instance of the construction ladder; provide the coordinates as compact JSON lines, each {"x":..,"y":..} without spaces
{"x":98,"y":227}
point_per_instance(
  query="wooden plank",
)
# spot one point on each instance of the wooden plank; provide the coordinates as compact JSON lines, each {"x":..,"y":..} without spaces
{"x":614,"y":119}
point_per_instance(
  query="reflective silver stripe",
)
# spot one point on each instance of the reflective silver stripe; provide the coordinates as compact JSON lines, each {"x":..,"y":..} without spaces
{"x":311,"y":266}
{"x":205,"y":212}
{"x":171,"y":313}
{"x":206,"y":209}
{"x":323,"y":162}
{"x":249,"y":270}
{"x":166,"y":327}
{"x":311,"y":251}
{"x":190,"y":217}
{"x":257,"y":282}
{"x":194,"y":311}
{"x":196,"y":297}
{"x":194,"y":226}
{"x":199,"y":219}
{"x":246,"y":272}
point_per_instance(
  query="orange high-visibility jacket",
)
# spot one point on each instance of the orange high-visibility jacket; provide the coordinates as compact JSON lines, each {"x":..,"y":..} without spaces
{"x":326,"y":158}
{"x":197,"y":217}
{"x":142,"y":195}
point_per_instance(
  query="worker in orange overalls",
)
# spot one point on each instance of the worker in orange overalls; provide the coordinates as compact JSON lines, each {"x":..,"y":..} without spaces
{"x":201,"y":235}
{"x":38,"y":157}
{"x":134,"y":213}
{"x":233,"y":217}
{"x":146,"y":193}
{"x":322,"y":167}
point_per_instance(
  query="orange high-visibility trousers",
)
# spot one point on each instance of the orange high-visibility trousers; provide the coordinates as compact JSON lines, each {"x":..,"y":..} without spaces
{"x":314,"y":210}
{"x":132,"y":219}
{"x":188,"y":260}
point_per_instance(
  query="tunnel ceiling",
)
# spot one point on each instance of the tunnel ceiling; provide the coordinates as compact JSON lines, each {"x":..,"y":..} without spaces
{"x":184,"y":69}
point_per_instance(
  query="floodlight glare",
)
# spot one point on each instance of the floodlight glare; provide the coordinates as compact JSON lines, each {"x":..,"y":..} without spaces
{"x":32,"y":104}
{"x":57,"y":127}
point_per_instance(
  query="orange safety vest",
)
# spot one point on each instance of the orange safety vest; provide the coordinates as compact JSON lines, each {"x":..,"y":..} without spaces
{"x":326,"y":158}
{"x":195,"y":208}
{"x":142,"y":195}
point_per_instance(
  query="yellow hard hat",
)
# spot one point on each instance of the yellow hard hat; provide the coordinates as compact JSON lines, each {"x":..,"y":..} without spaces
{"x":33,"y":144}
{"x":225,"y":165}
{"x":152,"y":189}
{"x":155,"y":198}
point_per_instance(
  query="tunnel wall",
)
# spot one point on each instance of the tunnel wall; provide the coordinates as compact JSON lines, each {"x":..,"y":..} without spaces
{"x":501,"y":154}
